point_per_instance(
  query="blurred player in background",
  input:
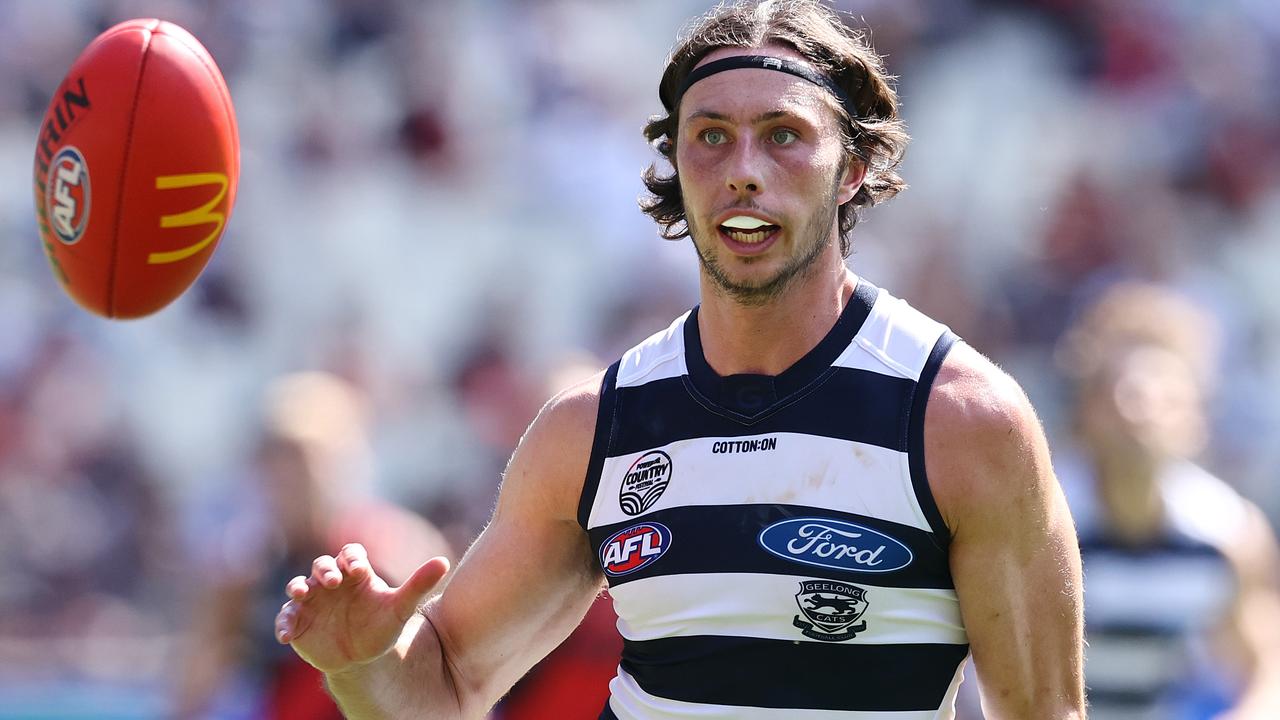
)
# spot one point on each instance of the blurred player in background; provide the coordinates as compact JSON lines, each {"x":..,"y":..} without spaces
{"x":313,"y":471}
{"x":782,"y":526}
{"x":1181,"y":608}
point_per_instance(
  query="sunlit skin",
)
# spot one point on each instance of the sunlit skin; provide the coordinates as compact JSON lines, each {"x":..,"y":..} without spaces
{"x":762,"y":144}
{"x":765,"y":144}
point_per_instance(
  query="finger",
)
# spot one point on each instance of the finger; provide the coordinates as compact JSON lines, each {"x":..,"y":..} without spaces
{"x":297,"y":588}
{"x":284,"y":623}
{"x":354,"y":561}
{"x":414,"y":590}
{"x":325,"y":571}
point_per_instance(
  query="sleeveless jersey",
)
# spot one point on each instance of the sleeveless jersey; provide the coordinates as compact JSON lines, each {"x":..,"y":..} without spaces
{"x":770,"y":542}
{"x":1151,"y":609}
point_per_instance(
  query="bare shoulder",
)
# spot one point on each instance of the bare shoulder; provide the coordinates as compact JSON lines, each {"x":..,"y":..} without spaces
{"x":984,"y":446}
{"x":575,"y":405}
{"x":550,"y":464}
{"x":1013,"y":555}
{"x":566,"y":424}
{"x":971,"y":394}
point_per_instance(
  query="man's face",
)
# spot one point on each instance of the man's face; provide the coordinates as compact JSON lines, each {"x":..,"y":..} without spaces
{"x":1145,"y":402}
{"x":762,"y":173}
{"x":287,"y":472}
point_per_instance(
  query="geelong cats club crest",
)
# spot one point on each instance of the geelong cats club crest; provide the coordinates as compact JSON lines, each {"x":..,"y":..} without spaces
{"x":830,"y":610}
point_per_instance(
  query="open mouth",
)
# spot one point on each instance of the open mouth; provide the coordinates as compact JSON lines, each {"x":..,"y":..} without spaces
{"x":748,"y":230}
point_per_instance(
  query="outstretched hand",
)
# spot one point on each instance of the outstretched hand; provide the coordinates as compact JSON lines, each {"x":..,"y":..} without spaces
{"x":344,"y":615}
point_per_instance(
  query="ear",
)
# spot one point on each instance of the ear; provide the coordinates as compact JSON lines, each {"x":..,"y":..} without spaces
{"x":855,"y":172}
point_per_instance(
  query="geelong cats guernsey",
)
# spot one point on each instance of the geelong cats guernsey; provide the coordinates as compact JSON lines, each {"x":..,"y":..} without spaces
{"x":1152,"y":609}
{"x":770,"y":542}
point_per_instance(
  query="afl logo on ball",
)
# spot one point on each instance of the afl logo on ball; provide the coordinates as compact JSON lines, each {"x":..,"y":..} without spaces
{"x":638,"y":546}
{"x":644,"y":482}
{"x":67,"y":195}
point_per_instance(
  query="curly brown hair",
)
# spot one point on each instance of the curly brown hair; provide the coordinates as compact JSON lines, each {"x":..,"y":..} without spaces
{"x":877,"y":135}
{"x":1135,"y":313}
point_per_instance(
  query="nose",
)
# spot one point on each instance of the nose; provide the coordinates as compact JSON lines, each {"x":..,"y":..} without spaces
{"x":743,"y":175}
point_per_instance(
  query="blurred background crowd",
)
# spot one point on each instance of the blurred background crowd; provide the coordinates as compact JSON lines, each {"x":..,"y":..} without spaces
{"x":437,"y":227}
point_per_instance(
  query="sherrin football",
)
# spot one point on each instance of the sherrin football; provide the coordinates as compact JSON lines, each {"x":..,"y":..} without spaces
{"x":136,"y":169}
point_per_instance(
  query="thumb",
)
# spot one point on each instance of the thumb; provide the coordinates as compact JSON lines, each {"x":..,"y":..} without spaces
{"x":423,"y":580}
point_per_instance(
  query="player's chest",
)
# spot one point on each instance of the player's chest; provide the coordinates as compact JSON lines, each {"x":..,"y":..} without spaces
{"x":777,"y":504}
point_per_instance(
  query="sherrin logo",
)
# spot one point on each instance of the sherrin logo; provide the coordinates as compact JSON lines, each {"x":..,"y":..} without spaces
{"x":835,"y":544}
{"x":67,"y":195}
{"x":638,"y":546}
{"x":644,"y":483}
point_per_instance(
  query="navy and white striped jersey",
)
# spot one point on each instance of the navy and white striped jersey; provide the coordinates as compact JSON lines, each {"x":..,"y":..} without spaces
{"x":770,"y":542}
{"x":1152,"y":608}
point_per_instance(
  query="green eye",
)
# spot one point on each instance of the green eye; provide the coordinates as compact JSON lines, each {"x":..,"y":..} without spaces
{"x":714,"y":137}
{"x":783,"y":137}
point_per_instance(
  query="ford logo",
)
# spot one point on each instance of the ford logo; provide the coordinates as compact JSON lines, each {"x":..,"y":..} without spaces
{"x":835,"y":544}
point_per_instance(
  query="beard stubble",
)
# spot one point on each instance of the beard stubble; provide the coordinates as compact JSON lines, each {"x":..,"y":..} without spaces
{"x":814,"y":236}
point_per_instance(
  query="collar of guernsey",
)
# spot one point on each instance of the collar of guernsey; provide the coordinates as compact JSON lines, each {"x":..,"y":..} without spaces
{"x":766,"y":62}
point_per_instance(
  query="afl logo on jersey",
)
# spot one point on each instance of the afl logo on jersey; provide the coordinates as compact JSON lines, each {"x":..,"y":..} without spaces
{"x":67,"y":195}
{"x":835,"y":544}
{"x":638,"y":546}
{"x":644,"y":482}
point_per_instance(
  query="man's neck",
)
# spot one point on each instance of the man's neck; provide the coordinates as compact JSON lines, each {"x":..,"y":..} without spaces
{"x":768,"y":339}
{"x":1129,"y":488}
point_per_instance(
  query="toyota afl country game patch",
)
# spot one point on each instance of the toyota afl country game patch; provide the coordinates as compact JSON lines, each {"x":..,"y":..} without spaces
{"x":644,"y":483}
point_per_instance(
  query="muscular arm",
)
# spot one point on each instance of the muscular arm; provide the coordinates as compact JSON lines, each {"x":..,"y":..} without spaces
{"x":518,"y":592}
{"x":1014,"y":555}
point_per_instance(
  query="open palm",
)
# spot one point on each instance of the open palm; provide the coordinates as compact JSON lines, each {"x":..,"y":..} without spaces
{"x":344,"y":615}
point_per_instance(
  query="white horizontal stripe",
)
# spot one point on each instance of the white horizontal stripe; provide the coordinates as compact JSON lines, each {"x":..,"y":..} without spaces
{"x":803,"y":469}
{"x":1133,"y":663}
{"x":630,"y":702}
{"x":762,"y":606}
{"x":1187,"y":592}
{"x":896,"y":339}
{"x":659,"y":356}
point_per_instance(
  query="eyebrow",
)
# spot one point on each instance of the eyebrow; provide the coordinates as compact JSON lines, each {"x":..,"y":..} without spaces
{"x":761,"y":118}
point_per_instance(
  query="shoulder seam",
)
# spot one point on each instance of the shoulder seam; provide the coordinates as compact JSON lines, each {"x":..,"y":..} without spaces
{"x":629,"y":380}
{"x":884,"y":359}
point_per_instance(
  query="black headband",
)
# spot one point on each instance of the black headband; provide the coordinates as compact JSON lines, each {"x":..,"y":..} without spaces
{"x":765,"y":62}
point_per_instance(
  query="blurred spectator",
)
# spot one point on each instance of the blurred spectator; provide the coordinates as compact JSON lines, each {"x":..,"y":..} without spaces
{"x":89,"y":543}
{"x":312,"y":474}
{"x":1182,"y":610}
{"x":497,"y":398}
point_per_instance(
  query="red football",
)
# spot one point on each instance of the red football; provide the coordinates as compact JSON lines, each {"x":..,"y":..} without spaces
{"x":136,"y":169}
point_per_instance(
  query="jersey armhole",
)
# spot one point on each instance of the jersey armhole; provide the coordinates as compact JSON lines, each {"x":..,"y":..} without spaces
{"x":915,"y":438}
{"x":605,"y":419}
